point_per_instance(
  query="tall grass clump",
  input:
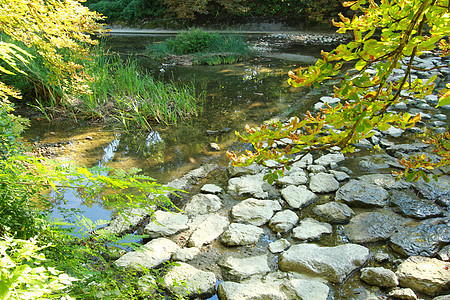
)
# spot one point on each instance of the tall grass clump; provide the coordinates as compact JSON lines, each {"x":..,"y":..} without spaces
{"x":124,"y":92}
{"x":205,"y":47}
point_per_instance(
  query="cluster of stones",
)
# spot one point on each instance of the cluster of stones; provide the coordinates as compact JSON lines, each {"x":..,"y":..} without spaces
{"x":289,"y":222}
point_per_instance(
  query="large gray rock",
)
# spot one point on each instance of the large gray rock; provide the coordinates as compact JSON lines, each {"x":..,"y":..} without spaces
{"x":373,"y":162}
{"x":332,"y":158}
{"x":207,"y":231}
{"x":211,"y":189}
{"x":379,"y":276}
{"x":412,"y":206}
{"x":310,"y":229}
{"x":323,"y":183}
{"x":331,"y":263}
{"x":228,"y":290}
{"x":406,"y":148}
{"x":237,"y":269}
{"x":370,"y":227}
{"x":255,"y":212}
{"x":293,"y":178}
{"x":423,"y":239}
{"x":334,"y":212}
{"x":363,"y":194}
{"x":298,"y":196}
{"x":305,"y":289}
{"x":152,"y":254}
{"x":438,"y":191}
{"x":279,"y":245}
{"x":425,"y":275}
{"x":165,"y":224}
{"x":283,"y":221}
{"x":249,"y":185}
{"x":189,"y":179}
{"x":185,"y":254}
{"x":127,"y":220}
{"x":386,"y":181}
{"x":186,"y":281}
{"x":247,"y":170}
{"x":202,"y":204}
{"x":238,"y":234}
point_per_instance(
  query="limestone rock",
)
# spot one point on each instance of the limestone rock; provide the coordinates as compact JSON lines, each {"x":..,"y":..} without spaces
{"x":255,"y":212}
{"x":298,"y":196}
{"x":249,"y":185}
{"x":297,"y":178}
{"x":153,"y":254}
{"x":279,"y":246}
{"x":425,"y":275}
{"x":283,"y":221}
{"x":332,"y":263}
{"x":334,"y":212}
{"x":305,"y":289}
{"x":237,"y":269}
{"x":211,"y":189}
{"x":207,"y":231}
{"x":310,"y":229}
{"x":332,"y":158}
{"x":241,"y":234}
{"x":228,"y":290}
{"x":407,"y":294}
{"x":202,"y":204}
{"x":323,"y":183}
{"x":339,"y":175}
{"x":361,"y":193}
{"x":379,"y":276}
{"x":185,"y":254}
{"x":370,"y":227}
{"x":166,"y":224}
{"x":187,"y":281}
{"x":386,"y":181}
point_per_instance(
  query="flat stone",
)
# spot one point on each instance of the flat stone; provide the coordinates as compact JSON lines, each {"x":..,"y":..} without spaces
{"x":305,"y":289}
{"x":423,"y":239}
{"x":323,"y":183}
{"x":310,"y":229}
{"x":297,"y":178}
{"x":339,"y":175}
{"x":374,"y":162}
{"x":331,"y":263}
{"x":228,"y":290}
{"x":186,"y":281}
{"x":438,"y":191}
{"x":241,"y":234}
{"x":127,"y":220}
{"x":298,"y":196}
{"x":283,"y":221}
{"x":279,"y":245}
{"x":444,"y":253}
{"x":209,"y":230}
{"x":379,"y":277}
{"x":254,"y":211}
{"x":370,"y":227}
{"x":394,"y":132}
{"x":406,"y":294}
{"x":237,"y":269}
{"x":334,"y":212}
{"x":202,"y":204}
{"x":386,"y":181}
{"x":247,"y":170}
{"x":185,"y":254}
{"x":425,"y":275}
{"x":406,"y":148}
{"x":362,"y":194}
{"x":316,"y":169}
{"x":331,"y":158}
{"x":412,"y":206}
{"x":211,"y":189}
{"x":249,"y":185}
{"x":166,"y":224}
{"x":152,"y":254}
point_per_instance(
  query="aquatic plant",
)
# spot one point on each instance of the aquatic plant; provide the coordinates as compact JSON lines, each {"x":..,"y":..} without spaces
{"x":210,"y":48}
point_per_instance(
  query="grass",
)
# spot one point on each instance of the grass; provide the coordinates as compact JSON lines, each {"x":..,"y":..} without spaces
{"x":209,"y":48}
{"x":124,"y":92}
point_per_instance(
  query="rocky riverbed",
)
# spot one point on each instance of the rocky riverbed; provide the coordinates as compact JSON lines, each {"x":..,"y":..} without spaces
{"x":334,"y":227}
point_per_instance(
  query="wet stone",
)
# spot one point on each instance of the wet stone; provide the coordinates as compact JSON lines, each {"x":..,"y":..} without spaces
{"x":228,"y":290}
{"x":241,"y":234}
{"x":331,"y":263}
{"x":323,"y":183}
{"x":444,"y":253}
{"x":411,"y":206}
{"x":298,"y":196}
{"x":374,"y":162}
{"x":425,"y":275}
{"x":386,"y":181}
{"x":283,"y":221}
{"x":406,"y":294}
{"x":334,"y":212}
{"x":439,"y":191}
{"x":361,"y":193}
{"x":372,"y":227}
{"x":310,"y":229}
{"x":207,"y":231}
{"x":422,"y":239}
{"x":406,"y":148}
{"x":305,"y":289}
{"x":237,"y":269}
{"x":254,"y":211}
{"x":249,"y":185}
{"x":379,"y":277}
{"x":326,"y":160}
{"x":297,"y":178}
{"x":339,"y":175}
{"x":279,"y":246}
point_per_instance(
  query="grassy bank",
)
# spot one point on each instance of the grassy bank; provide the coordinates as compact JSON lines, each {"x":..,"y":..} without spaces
{"x":209,"y":48}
